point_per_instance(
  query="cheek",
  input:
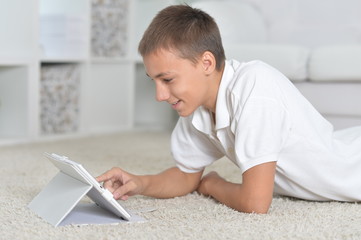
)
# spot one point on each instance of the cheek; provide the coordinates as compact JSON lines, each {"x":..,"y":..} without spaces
{"x":191,"y":94}
{"x":189,"y":88}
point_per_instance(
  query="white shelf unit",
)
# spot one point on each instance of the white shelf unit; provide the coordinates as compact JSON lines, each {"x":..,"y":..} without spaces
{"x":114,"y":92}
{"x":37,"y":35}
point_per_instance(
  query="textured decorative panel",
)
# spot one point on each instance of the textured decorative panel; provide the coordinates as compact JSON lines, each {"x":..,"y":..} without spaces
{"x":59,"y":98}
{"x":109,"y":28}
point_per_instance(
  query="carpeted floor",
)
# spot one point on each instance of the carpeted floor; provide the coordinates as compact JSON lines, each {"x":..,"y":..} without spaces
{"x":24,"y":172}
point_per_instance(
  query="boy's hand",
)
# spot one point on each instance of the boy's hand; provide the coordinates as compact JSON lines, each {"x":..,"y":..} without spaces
{"x":121,"y":183}
{"x":208,"y":180}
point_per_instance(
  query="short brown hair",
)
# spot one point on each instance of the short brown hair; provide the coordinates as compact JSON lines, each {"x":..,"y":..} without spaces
{"x":187,"y":30}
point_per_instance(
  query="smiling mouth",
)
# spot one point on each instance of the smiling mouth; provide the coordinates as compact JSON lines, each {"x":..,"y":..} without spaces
{"x":175,"y":104}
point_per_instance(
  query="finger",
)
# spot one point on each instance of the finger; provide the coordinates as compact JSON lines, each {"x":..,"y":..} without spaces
{"x":108,"y":175}
{"x":124,"y":190}
{"x":112,"y":185}
{"x":124,"y":197}
{"x":102,"y":178}
{"x":108,"y":184}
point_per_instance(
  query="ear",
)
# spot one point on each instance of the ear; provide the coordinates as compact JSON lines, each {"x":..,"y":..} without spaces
{"x":208,"y":62}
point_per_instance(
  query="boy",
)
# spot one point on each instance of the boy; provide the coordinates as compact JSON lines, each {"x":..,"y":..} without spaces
{"x":248,"y":112}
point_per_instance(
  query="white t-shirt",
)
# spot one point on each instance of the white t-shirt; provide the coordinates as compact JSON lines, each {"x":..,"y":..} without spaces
{"x":261,"y":117}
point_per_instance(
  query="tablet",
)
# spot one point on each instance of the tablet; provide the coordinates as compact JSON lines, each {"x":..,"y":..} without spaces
{"x":100,"y":195}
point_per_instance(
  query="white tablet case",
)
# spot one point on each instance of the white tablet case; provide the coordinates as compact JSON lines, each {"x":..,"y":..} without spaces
{"x":62,"y":194}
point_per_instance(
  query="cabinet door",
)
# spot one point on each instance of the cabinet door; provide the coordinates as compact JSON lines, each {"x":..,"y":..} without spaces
{"x":64,"y":30}
{"x":18,"y":27}
{"x":108,"y":94}
{"x":13,"y":102}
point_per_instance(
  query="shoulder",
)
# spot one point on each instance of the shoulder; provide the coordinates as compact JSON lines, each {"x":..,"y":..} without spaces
{"x":253,"y":77}
{"x":252,"y":84}
{"x":254,"y":71}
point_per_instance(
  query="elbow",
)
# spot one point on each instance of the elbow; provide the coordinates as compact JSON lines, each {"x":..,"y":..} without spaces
{"x":256,"y":205}
{"x":258,"y":209}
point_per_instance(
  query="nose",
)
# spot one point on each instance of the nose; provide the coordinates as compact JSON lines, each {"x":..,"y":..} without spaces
{"x":162,"y":92}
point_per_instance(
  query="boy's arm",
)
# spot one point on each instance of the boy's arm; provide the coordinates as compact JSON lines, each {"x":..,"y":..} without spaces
{"x":170,"y":183}
{"x":253,"y":195}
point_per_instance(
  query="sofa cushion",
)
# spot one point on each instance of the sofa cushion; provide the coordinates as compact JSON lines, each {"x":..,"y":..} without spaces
{"x":335,"y":63}
{"x":333,"y":98}
{"x":291,"y":60}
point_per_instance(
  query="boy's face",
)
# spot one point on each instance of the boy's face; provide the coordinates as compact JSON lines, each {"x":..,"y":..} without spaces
{"x":180,"y":82}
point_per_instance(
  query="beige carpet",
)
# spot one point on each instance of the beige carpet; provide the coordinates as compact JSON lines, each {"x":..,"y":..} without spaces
{"x":24,"y":172}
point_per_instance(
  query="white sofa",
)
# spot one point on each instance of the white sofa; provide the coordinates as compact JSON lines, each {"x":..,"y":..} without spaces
{"x":317,"y":44}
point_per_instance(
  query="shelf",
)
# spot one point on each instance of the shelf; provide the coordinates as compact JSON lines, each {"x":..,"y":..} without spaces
{"x":63,"y":36}
{"x":111,"y":60}
{"x":109,"y":28}
{"x":63,"y":60}
{"x":18,"y":29}
{"x":109,"y":97}
{"x":13,"y":102}
{"x":70,"y":68}
{"x":59,"y":98}
{"x":14,"y":61}
{"x":64,"y":30}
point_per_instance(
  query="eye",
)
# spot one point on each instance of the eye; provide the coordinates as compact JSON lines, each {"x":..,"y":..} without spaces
{"x":167,"y":80}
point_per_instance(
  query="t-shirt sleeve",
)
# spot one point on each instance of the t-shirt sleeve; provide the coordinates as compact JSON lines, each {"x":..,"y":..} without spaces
{"x":261,"y":128}
{"x":192,"y":150}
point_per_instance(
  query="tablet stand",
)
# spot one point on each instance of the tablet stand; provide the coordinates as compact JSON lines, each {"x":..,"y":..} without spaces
{"x":59,"y":198}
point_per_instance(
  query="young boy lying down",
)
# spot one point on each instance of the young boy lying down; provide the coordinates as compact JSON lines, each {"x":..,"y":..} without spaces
{"x":246,"y":111}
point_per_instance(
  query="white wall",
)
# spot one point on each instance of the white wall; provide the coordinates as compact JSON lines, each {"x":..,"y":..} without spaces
{"x":312,"y":22}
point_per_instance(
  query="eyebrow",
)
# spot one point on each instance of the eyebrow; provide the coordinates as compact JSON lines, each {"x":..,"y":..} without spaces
{"x":160,"y":74}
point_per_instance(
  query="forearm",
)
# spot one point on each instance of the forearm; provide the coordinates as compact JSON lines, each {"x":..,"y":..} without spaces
{"x":253,"y":195}
{"x":170,"y":183}
{"x":238,"y":197}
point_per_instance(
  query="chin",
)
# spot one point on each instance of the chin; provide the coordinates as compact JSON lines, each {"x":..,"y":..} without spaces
{"x":184,"y":114}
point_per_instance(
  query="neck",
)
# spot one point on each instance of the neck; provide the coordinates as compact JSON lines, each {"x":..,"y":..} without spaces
{"x":217,"y":77}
